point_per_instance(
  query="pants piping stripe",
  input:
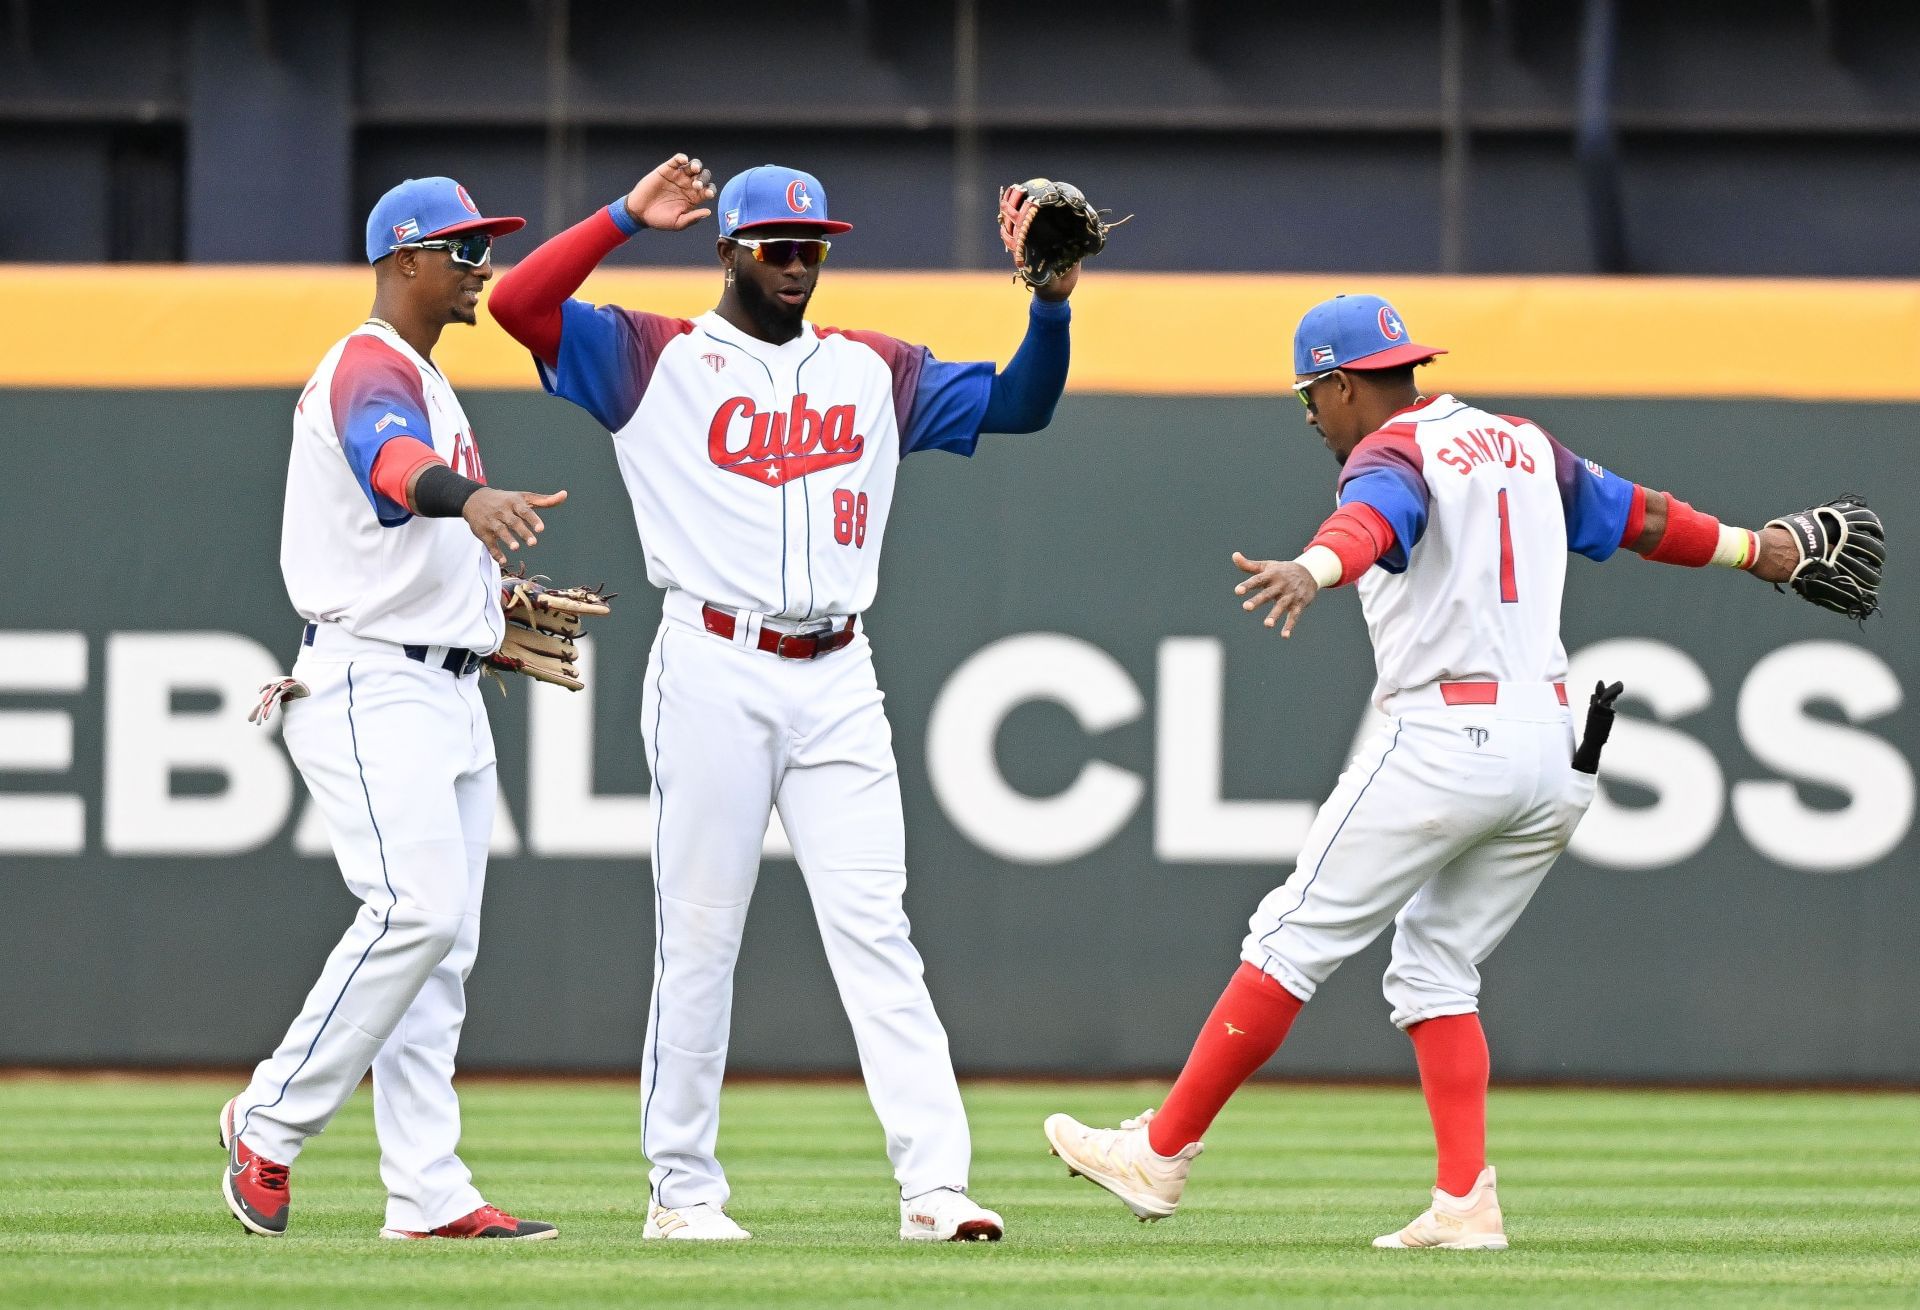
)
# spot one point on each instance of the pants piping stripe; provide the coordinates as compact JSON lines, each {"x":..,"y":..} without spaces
{"x":1328,"y":849}
{"x":659,"y":907}
{"x":386,"y":921}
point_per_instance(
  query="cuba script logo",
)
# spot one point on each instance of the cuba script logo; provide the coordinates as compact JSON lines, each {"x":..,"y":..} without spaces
{"x":774,"y":448}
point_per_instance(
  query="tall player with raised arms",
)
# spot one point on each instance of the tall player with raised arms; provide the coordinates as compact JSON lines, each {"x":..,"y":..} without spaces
{"x":761,"y":452}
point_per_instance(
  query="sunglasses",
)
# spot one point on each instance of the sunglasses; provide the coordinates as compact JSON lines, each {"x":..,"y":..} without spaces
{"x":781,"y":251}
{"x":1300,"y":389}
{"x":473,"y":250}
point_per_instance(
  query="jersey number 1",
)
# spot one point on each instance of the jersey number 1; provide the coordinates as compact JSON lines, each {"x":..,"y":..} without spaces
{"x":1509,"y":589}
{"x":850,"y":518}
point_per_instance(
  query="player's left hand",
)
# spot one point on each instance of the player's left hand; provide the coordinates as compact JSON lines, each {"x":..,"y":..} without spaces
{"x":1281,"y":582}
{"x":1061,"y":286}
{"x":1778,"y":555}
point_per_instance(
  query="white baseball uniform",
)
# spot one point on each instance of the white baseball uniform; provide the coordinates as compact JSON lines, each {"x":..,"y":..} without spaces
{"x":395,"y":746}
{"x":761,"y":477}
{"x":1450,"y":815}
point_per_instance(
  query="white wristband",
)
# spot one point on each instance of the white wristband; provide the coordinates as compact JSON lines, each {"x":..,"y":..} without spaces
{"x":1322,"y":563}
{"x":1738,"y":548}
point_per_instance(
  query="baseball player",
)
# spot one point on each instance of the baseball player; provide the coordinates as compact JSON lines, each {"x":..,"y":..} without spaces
{"x":1454,"y":525}
{"x":760,"y":452}
{"x":391,"y":545}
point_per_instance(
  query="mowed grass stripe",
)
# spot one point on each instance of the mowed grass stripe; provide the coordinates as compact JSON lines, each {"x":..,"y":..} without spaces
{"x":108,"y":1190}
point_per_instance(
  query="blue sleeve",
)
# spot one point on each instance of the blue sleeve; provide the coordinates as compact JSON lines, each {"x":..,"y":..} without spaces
{"x":376,"y":396}
{"x":949,"y":401}
{"x":1026,"y":391}
{"x":1595,"y":501}
{"x":1392,"y":499}
{"x":601,"y":367}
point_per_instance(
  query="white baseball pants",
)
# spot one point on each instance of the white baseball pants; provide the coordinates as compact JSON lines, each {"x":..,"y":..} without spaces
{"x":399,"y":758}
{"x":1444,"y":825}
{"x":730,"y":732}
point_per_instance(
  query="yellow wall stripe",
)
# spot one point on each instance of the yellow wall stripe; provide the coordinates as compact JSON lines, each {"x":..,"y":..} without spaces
{"x":1143,"y":334}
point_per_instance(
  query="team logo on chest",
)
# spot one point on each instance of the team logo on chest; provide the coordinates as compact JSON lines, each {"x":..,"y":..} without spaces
{"x":774,"y":448}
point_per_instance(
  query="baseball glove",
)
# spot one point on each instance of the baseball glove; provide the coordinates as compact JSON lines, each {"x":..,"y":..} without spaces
{"x":542,"y":622}
{"x":1048,"y":227}
{"x":1842,"y":547}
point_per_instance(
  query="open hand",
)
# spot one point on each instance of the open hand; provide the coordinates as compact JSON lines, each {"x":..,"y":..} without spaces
{"x":495,"y":517}
{"x":673,"y":196}
{"x":1288,"y":586}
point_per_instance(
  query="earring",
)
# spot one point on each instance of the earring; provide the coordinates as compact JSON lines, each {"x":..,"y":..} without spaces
{"x":730,"y":274}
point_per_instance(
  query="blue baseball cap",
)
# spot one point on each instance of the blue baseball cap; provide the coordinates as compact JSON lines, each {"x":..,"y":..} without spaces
{"x":1358,"y":332}
{"x":772,"y":194}
{"x":424,"y":207}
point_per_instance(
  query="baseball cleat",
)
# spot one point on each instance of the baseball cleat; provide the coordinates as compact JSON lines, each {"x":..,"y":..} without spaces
{"x":487,"y":1221}
{"x":1124,"y":1162}
{"x":693,"y":1223}
{"x":948,"y":1214}
{"x":1461,"y":1223}
{"x":256,"y":1189}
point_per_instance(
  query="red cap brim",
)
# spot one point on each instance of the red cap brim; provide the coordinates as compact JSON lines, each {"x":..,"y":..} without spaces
{"x":1393,"y":357}
{"x":826,"y":227}
{"x":498,"y":227}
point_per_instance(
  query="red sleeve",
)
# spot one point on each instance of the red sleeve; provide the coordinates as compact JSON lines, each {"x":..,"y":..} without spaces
{"x":1636,"y":517}
{"x":396,"y":464}
{"x":1359,"y":534}
{"x":527,"y":299}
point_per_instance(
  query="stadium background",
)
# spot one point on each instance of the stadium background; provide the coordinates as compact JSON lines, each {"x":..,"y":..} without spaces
{"x":1628,"y":221}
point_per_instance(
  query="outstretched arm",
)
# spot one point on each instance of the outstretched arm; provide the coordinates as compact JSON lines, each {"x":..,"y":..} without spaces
{"x":1670,"y":531}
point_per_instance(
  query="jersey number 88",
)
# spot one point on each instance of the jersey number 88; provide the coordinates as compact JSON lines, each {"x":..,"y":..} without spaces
{"x":850,"y":518}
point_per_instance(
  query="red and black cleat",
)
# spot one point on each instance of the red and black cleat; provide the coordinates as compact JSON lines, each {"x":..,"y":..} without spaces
{"x":255,"y":1187}
{"x":487,"y":1221}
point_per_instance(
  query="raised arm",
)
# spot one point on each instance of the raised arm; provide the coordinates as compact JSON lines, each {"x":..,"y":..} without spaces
{"x":1027,"y":389}
{"x":528,"y":301}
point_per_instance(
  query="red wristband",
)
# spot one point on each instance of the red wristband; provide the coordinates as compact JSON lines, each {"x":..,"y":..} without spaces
{"x":1690,"y":537}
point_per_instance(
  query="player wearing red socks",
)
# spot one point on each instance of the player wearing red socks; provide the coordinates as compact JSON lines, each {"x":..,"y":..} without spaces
{"x":1454,"y":524}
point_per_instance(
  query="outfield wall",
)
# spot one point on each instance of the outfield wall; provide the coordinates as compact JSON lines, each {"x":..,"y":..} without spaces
{"x":1105,"y":765}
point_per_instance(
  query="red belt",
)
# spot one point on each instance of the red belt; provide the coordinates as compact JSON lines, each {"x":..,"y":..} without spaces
{"x":787,"y":645}
{"x":1484,"y":693}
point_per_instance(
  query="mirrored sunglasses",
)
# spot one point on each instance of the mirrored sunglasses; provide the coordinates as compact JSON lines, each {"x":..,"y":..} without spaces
{"x":781,"y":251}
{"x":473,"y":249}
{"x":1300,"y":389}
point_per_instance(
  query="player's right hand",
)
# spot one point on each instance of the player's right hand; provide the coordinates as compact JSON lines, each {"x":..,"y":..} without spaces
{"x":673,"y":196}
{"x":1287,"y":585}
{"x":500,"y":518}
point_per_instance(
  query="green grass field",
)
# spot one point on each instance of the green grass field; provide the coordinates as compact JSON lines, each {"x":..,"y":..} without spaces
{"x":109,"y":1193}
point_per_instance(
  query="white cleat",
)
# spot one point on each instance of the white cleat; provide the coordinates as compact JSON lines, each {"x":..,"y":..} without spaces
{"x":693,"y":1223}
{"x":1461,"y":1223}
{"x":1124,"y":1162}
{"x":948,"y":1214}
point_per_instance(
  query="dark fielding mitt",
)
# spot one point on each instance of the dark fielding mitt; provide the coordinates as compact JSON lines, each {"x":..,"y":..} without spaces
{"x":542,"y":623}
{"x":1048,"y":227}
{"x":1842,"y":547}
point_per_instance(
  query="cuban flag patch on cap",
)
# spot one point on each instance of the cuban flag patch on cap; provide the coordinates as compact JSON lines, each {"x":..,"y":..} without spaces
{"x":406,"y":231}
{"x":1323,"y":356}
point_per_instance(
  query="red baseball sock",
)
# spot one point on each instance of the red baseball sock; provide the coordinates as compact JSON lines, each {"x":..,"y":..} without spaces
{"x":1247,"y":1025}
{"x":1452,"y":1054}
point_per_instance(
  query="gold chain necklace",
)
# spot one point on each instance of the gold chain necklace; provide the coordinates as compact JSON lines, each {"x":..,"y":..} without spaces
{"x":381,"y":322}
